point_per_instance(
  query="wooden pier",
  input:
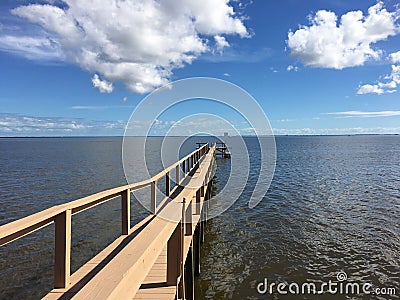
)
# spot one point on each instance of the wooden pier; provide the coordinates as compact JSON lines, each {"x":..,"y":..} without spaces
{"x":155,"y":259}
{"x":220,"y":148}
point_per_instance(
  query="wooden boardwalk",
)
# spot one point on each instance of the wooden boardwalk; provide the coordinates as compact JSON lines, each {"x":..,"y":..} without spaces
{"x":156,"y":259}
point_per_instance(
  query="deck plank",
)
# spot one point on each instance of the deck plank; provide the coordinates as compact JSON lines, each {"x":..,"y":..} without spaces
{"x":154,"y":286}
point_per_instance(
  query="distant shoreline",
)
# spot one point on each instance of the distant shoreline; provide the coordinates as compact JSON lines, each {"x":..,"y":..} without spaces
{"x":246,"y":136}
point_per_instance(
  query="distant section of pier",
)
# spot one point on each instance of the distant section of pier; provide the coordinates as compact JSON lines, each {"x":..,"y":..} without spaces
{"x":221,"y":149}
{"x":155,"y":259}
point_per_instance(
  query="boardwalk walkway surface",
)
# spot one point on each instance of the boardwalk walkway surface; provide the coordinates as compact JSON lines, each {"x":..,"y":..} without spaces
{"x":155,"y":259}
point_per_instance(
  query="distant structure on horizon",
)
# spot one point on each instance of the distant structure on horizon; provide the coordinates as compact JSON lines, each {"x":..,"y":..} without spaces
{"x":226,"y":134}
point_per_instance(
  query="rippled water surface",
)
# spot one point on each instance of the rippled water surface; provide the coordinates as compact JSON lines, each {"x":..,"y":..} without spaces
{"x":333,"y":205}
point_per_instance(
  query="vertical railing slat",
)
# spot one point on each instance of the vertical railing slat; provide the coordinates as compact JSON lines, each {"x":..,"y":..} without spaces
{"x":153,"y":200}
{"x":177,"y":179}
{"x":175,"y":247}
{"x":189,"y":219}
{"x":126,"y":211}
{"x":62,"y":257}
{"x":198,"y":195}
{"x":167,"y":184}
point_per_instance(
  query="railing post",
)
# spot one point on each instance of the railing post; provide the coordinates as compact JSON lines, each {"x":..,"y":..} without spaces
{"x":183,"y":220}
{"x":198,"y":195}
{"x":177,"y":179}
{"x":167,"y":184}
{"x":183,"y":167}
{"x":196,"y":249}
{"x":182,"y":262}
{"x":174,"y":256}
{"x":189,"y":274}
{"x":153,"y":202}
{"x":62,"y":255}
{"x":126,"y":211}
{"x":208,"y":192}
{"x":201,"y":224}
{"x":175,"y":251}
{"x":189,"y":219}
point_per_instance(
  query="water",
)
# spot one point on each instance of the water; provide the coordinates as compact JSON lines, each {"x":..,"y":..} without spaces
{"x":333,"y":205}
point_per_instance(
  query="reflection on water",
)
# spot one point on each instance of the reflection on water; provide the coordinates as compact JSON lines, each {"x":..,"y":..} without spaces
{"x":333,"y":206}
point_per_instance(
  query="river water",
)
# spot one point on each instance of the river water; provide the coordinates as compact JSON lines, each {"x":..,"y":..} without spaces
{"x":333,"y":206}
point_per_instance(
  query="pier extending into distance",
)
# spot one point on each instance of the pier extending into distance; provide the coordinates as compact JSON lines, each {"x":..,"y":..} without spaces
{"x":156,"y":258}
{"x":220,"y":148}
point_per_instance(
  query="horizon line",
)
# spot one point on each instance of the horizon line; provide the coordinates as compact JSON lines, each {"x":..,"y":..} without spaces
{"x":208,"y":136}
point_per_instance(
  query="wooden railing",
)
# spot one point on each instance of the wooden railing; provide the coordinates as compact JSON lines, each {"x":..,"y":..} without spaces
{"x":173,"y":228}
{"x":61,"y":214}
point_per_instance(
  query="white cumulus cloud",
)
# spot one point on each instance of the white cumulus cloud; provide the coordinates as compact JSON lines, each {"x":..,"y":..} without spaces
{"x":329,"y":43}
{"x":138,"y":43}
{"x":292,"y":68}
{"x":370,"y":89}
{"x":395,"y":75}
{"x":102,"y":85}
{"x":395,"y":57}
{"x":383,"y":87}
{"x":220,"y":42}
{"x":34,"y":48}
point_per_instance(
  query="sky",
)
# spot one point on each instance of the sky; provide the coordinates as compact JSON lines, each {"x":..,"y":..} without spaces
{"x":77,"y":67}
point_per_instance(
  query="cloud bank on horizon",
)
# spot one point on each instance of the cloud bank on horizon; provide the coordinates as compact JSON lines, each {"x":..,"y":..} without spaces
{"x":327,"y":43}
{"x":138,"y":43}
{"x":17,"y":125}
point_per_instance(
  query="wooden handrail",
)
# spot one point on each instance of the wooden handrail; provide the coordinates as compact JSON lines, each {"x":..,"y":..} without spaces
{"x":61,"y":214}
{"x":19,"y":228}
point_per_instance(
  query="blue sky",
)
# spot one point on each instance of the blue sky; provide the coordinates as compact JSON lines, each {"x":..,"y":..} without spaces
{"x":315,"y":67}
